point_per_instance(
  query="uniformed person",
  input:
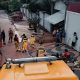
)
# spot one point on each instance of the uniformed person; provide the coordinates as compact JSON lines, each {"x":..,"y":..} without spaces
{"x":41,"y":52}
{"x":24,"y":45}
{"x":32,"y":40}
{"x":16,"y":41}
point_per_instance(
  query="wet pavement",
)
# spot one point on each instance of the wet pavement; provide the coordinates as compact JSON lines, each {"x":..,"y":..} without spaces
{"x":21,"y":27}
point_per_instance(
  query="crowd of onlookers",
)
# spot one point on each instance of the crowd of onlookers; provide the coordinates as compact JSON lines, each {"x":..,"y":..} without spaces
{"x":59,"y":35}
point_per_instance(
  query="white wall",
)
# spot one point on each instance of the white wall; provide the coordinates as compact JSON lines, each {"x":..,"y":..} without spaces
{"x":46,"y":24}
{"x":27,"y":13}
{"x":59,"y":5}
{"x":21,"y":9}
{"x":72,"y":25}
{"x":41,"y":18}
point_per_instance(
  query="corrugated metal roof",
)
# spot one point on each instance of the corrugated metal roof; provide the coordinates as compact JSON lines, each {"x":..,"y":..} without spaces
{"x":55,"y":18}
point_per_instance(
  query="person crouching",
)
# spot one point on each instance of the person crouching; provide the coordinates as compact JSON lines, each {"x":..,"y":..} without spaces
{"x":41,"y":51}
{"x":66,"y":55}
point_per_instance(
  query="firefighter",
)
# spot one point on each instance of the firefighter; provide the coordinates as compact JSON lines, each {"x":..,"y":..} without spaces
{"x":1,"y":44}
{"x":3,"y":36}
{"x":41,"y":52}
{"x":16,"y":41}
{"x":24,"y":45}
{"x":11,"y":34}
{"x":32,"y":41}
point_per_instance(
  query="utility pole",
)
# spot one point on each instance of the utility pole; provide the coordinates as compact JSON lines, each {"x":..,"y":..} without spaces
{"x":52,"y":5}
{"x":44,"y":18}
{"x":66,"y":3}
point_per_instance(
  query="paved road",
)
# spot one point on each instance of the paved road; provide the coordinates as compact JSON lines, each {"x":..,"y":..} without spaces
{"x":19,"y":28}
{"x":8,"y":50}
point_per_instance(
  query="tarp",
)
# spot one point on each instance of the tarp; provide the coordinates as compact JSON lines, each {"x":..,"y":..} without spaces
{"x":55,"y":18}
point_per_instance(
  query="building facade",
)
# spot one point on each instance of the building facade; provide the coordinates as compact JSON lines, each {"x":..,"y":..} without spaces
{"x":73,"y":23}
{"x":46,"y":20}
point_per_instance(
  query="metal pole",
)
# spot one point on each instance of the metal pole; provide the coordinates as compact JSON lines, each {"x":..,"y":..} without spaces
{"x":51,"y":7}
{"x":66,"y":3}
{"x":43,"y":18}
{"x":33,"y":59}
{"x":65,"y":30}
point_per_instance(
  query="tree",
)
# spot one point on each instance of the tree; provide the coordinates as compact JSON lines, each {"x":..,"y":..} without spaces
{"x":35,"y":6}
{"x":14,"y":5}
{"x":4,"y":4}
{"x":23,"y":1}
{"x":28,"y":1}
{"x":32,"y":7}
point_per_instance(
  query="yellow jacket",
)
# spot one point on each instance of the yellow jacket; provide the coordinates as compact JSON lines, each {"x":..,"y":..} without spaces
{"x":32,"y":40}
{"x":25,"y":43}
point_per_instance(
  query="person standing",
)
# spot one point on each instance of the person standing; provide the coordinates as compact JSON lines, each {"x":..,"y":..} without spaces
{"x":0,"y":59}
{"x":23,"y":36}
{"x":60,"y":34}
{"x":57,"y":37}
{"x":10,"y":35}
{"x":16,"y":41}
{"x":74,"y":40}
{"x":32,"y":41}
{"x":3,"y":36}
{"x":63,"y":36}
{"x":1,"y":41}
{"x":54,"y":33}
{"x":24,"y":45}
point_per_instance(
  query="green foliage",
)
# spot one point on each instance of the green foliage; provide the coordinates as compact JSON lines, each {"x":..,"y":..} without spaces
{"x":14,"y":5}
{"x":4,"y":4}
{"x":10,"y":5}
{"x":32,"y":7}
{"x":34,"y":21}
{"x":36,"y":5}
{"x":28,"y":1}
{"x":23,"y":1}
